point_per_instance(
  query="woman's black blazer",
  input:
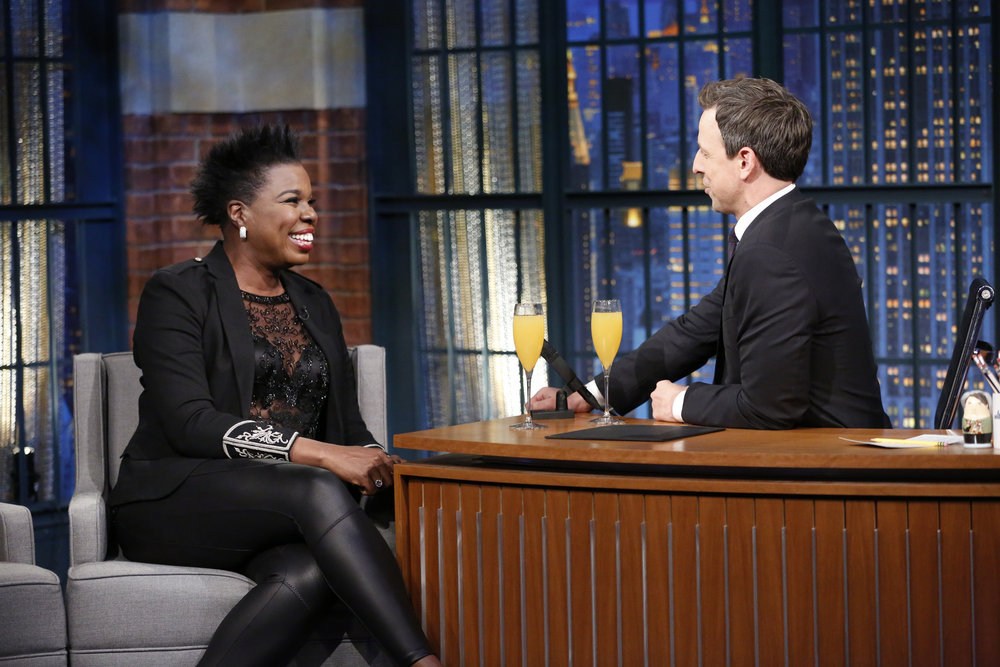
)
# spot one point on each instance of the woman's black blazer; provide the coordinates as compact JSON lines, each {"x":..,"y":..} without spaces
{"x":193,"y":345}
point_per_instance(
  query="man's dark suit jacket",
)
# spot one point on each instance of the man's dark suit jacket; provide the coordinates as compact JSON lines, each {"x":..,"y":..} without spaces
{"x":192,"y":342}
{"x":797,"y":350}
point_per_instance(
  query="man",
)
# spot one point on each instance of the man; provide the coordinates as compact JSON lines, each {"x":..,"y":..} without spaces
{"x":787,"y":322}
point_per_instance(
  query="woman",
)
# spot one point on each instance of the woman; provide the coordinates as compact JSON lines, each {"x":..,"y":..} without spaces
{"x":250,"y":453}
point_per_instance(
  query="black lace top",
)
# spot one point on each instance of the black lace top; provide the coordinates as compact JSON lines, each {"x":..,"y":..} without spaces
{"x":291,"y":375}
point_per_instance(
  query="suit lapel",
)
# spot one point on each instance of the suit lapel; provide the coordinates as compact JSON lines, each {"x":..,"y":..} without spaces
{"x":235,"y":324}
{"x":776,"y":210}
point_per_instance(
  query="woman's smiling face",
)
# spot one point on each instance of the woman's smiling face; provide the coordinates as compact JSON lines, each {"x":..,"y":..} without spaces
{"x":281,"y":221}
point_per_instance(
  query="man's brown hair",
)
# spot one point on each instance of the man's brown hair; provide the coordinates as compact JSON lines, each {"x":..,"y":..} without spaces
{"x":763,"y":116}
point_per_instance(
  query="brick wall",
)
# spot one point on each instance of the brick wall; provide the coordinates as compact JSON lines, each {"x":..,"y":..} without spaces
{"x":162,"y":152}
{"x":161,"y":155}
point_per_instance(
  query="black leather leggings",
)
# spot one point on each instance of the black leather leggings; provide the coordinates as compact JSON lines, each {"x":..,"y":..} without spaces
{"x":298,"y":533}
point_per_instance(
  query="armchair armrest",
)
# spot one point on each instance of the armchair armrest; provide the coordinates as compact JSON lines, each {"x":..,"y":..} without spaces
{"x":88,"y":541}
{"x":17,"y":537}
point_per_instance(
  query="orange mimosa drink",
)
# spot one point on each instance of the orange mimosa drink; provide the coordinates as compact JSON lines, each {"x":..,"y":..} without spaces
{"x":606,"y":329}
{"x":529,"y":332}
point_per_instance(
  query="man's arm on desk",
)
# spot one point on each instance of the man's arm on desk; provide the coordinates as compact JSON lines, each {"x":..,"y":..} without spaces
{"x":667,"y":400}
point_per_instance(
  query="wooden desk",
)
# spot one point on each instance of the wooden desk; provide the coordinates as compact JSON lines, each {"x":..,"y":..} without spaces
{"x":789,"y":547}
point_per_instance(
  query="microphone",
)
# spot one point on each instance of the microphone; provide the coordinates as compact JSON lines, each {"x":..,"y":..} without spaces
{"x":559,"y":365}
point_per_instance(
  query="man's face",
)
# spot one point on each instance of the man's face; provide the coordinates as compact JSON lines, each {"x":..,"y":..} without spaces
{"x":720,"y":175}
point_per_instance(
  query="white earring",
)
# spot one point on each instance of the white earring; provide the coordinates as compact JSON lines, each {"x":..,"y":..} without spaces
{"x":243,"y":233}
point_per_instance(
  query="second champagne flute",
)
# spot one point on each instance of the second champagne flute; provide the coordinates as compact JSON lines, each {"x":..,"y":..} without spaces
{"x":529,"y":333}
{"x":606,"y":329}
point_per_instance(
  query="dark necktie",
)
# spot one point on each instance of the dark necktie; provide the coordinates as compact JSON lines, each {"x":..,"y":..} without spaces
{"x":720,"y":356}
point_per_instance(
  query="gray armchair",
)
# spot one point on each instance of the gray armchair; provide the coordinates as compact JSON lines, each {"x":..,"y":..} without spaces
{"x":128,"y":613}
{"x":32,"y":614}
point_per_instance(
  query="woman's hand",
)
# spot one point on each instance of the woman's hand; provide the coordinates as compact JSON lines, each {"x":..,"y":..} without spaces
{"x":367,"y":467}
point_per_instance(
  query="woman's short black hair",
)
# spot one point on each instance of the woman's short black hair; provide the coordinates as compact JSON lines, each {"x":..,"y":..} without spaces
{"x":234,"y":169}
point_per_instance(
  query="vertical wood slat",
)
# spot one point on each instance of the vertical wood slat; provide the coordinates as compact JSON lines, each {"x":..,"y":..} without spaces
{"x":449,"y":569}
{"x":684,"y":521}
{"x":769,"y":520}
{"x":861,"y":581}
{"x":534,"y":577}
{"x":581,"y":516}
{"x":409,"y":553}
{"x":556,"y":520}
{"x":925,"y":582}
{"x":742,"y":609}
{"x":893,"y":612}
{"x":799,"y":569}
{"x":633,"y":644}
{"x":986,"y":580}
{"x":956,"y":591}
{"x":429,"y":566}
{"x":712,"y":552}
{"x":658,"y":593}
{"x":491,"y":597}
{"x":606,"y":579}
{"x":511,"y":508}
{"x":831,"y":637}
{"x":471,"y":595}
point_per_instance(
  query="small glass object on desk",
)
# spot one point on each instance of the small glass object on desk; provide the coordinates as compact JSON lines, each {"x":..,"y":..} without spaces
{"x":529,"y":333}
{"x":606,"y":330}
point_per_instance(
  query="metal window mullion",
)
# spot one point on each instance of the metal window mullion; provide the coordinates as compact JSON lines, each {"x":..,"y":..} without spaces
{"x":515,"y":126}
{"x":19,"y":416}
{"x":9,"y":82}
{"x":53,"y":362}
{"x":720,"y":41}
{"x":647,"y":270}
{"x":961,"y":281}
{"x":686,"y":254}
{"x":519,"y":286}
{"x":449,"y":219}
{"x":484,"y":294}
{"x":866,"y":115}
{"x":824,"y":94}
{"x":957,"y":173}
{"x":484,"y":362}
{"x":912,"y":174}
{"x":603,"y":42}
{"x":682,"y":96}
{"x":43,"y":74}
{"x":911,"y":209}
{"x":480,"y":130}
{"x":642,"y":46}
{"x":444,"y":90}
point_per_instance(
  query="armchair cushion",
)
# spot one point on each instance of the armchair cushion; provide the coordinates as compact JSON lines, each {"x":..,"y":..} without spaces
{"x":124,"y":605}
{"x":33,"y":631}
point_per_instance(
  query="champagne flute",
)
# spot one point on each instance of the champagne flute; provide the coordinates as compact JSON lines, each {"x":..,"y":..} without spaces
{"x":606,"y":330}
{"x":529,"y":332}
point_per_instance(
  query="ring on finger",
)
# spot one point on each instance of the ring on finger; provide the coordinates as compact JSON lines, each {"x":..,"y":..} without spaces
{"x":378,"y":483}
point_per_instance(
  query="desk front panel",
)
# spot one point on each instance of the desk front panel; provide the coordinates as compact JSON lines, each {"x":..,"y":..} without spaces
{"x":510,"y":565}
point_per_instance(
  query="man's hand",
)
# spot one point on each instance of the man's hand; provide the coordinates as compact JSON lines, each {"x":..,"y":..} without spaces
{"x":545,"y":399}
{"x":663,"y":400}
